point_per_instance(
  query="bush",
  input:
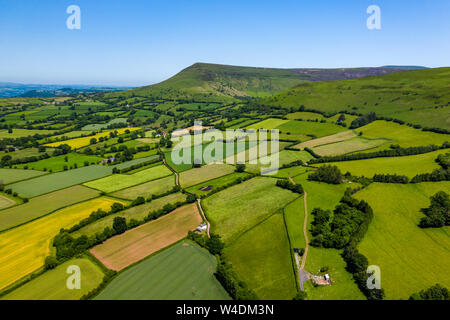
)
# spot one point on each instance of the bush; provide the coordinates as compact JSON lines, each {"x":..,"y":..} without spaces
{"x":50,"y":263}
{"x":119,"y":225}
{"x":328,"y":174}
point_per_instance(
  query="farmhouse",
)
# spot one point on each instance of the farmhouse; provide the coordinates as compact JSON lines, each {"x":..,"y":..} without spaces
{"x":201,"y":228}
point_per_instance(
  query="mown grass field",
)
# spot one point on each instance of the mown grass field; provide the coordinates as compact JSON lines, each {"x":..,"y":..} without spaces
{"x":294,"y":215}
{"x":237,"y":209}
{"x":19,"y":133}
{"x":304,"y":116}
{"x":205,"y":173}
{"x":337,"y":137}
{"x":58,"y":163}
{"x":138,"y":213}
{"x":408,"y":166}
{"x":60,"y":180}
{"x":22,"y":153}
{"x":123,"y":250}
{"x":261,"y":257}
{"x":147,"y":189}
{"x":122,"y":181}
{"x":401,"y":134}
{"x":84,"y":141}
{"x":6,"y":202}
{"x":52,"y":284}
{"x":42,"y":205}
{"x":215,"y":183}
{"x":23,"y":249}
{"x":325,"y":196}
{"x":410,"y":258}
{"x":267,"y":164}
{"x":291,"y":172}
{"x":184,"y":271}
{"x":12,"y":175}
{"x":348,"y":146}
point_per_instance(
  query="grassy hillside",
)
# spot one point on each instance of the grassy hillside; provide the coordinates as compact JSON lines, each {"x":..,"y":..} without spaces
{"x":214,"y":82}
{"x":418,"y":96}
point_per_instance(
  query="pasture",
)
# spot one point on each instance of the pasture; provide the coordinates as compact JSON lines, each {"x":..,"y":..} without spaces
{"x":121,"y":181}
{"x":408,"y":165}
{"x":23,"y":249}
{"x":204,"y":188}
{"x":341,"y":136}
{"x":60,"y":180}
{"x":8,"y":176}
{"x":138,"y":213}
{"x":324,"y":196}
{"x":348,"y":146}
{"x":208,"y":172}
{"x":58,"y":163}
{"x":52,"y":284}
{"x":261,"y":257}
{"x":45,"y":204}
{"x":147,"y":189}
{"x":237,"y":209}
{"x":398,"y":246}
{"x":283,"y":157}
{"x":125,"y":249}
{"x":182,"y":272}
{"x":20,"y":133}
{"x":6,"y":202}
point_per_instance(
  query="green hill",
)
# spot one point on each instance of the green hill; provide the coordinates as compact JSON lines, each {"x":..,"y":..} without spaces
{"x":223,"y":83}
{"x":418,"y":97}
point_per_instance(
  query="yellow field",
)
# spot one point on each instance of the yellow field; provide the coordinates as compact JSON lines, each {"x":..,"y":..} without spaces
{"x":85,"y":141}
{"x":23,"y":249}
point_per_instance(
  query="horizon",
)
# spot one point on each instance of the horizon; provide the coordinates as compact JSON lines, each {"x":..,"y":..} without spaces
{"x":135,"y":43}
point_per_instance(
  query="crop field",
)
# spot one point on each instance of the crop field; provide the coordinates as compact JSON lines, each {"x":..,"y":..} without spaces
{"x":84,"y":141}
{"x":261,"y":256}
{"x":101,"y":126}
{"x":182,"y":272}
{"x":408,"y":166}
{"x":324,"y":196}
{"x":122,"y":181}
{"x":235,"y":210}
{"x":394,"y":237}
{"x":19,"y":133}
{"x":52,"y":284}
{"x":52,"y":182}
{"x":42,"y":205}
{"x":138,"y":213}
{"x":205,"y":173}
{"x":8,"y":176}
{"x":348,"y":146}
{"x":317,"y":129}
{"x":341,"y":136}
{"x":71,"y":134}
{"x":291,"y":172}
{"x":134,"y":245}
{"x":6,"y":202}
{"x":58,"y":163}
{"x":23,"y":153}
{"x":210,"y":185}
{"x":147,"y":189}
{"x":271,"y":123}
{"x":23,"y":249}
{"x":402,"y":135}
{"x":284,"y":157}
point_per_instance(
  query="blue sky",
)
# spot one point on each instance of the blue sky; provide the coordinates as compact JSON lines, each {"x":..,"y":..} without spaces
{"x":142,"y":42}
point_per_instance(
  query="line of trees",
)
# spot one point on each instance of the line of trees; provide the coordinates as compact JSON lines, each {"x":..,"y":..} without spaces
{"x":286,"y":184}
{"x":328,"y":174}
{"x":438,"y":213}
{"x":390,"y":178}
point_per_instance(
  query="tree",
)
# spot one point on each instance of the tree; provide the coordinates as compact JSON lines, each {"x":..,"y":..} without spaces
{"x":300,"y":296}
{"x":327,"y":173}
{"x":119,"y":225}
{"x":214,"y":244}
{"x":116,"y":207}
{"x":93,"y":141}
{"x":50,"y":263}
{"x":240,"y":167}
{"x":436,"y":292}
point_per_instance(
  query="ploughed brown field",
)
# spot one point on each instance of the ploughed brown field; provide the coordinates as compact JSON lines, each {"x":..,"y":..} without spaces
{"x":132,"y":246}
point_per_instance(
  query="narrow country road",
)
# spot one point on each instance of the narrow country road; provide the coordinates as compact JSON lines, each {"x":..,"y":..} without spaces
{"x":204,"y":216}
{"x":177,"y":182}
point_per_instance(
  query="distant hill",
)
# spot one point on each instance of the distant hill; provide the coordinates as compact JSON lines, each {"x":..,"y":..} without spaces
{"x":417,"y":96}
{"x":214,"y":82}
{"x":10,"y":89}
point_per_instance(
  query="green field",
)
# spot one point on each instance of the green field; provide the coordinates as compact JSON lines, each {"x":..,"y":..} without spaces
{"x":237,"y":209}
{"x":147,"y":189}
{"x":348,"y":146}
{"x":23,"y":153}
{"x":304,"y":116}
{"x":52,"y":284}
{"x":408,"y":166}
{"x":58,"y":163}
{"x":216,"y":183}
{"x":19,"y":133}
{"x":6,"y":201}
{"x":52,"y":182}
{"x":325,"y":196}
{"x":12,"y":175}
{"x":45,"y":204}
{"x":182,"y":272}
{"x":138,"y":213}
{"x":261,"y":257}
{"x":284,"y":157}
{"x":122,"y":181}
{"x":398,"y":246}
